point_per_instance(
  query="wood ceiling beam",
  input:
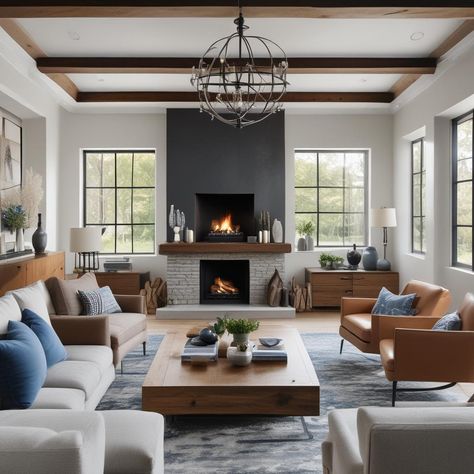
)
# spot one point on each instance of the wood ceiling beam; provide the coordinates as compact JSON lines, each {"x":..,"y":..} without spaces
{"x":129,"y":65}
{"x":227,"y":8}
{"x":466,"y":28}
{"x":155,"y":96}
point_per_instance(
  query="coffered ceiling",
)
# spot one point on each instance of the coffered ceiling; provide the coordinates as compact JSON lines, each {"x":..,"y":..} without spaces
{"x":143,"y":51}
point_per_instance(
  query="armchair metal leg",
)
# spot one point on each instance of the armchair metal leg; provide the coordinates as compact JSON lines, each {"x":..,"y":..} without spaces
{"x":144,"y":348}
{"x":394,"y":392}
{"x":342,"y":343}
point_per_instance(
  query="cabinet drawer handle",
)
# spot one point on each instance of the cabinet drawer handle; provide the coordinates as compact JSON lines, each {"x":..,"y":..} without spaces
{"x":348,"y":291}
{"x":346,"y":278}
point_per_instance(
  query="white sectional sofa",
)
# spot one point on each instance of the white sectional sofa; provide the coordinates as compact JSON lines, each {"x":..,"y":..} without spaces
{"x":383,"y":440}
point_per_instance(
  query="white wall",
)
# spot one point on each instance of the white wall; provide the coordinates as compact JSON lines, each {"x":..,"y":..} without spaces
{"x":449,"y":96}
{"x":373,"y":132}
{"x":80,"y":131}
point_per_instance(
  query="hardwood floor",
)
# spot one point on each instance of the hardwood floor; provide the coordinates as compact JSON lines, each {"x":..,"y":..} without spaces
{"x":317,"y":321}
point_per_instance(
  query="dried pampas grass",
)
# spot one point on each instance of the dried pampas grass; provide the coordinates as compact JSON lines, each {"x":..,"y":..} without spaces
{"x":29,"y":196}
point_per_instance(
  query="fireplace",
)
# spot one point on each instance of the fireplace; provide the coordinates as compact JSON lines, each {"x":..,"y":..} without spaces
{"x":224,"y":282}
{"x":224,"y":217}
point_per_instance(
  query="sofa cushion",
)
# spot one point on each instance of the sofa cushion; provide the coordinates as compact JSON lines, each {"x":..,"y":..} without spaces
{"x":52,"y":346}
{"x":60,"y":398}
{"x":64,"y":293}
{"x":101,"y":301}
{"x":80,"y":454}
{"x":33,"y":297}
{"x":394,"y":305}
{"x":360,"y":325}
{"x":387,"y":354}
{"x":449,"y":322}
{"x":98,"y":355}
{"x":141,"y":451}
{"x":22,"y":367}
{"x":123,"y":326}
{"x":82,"y":375}
{"x":9,"y":311}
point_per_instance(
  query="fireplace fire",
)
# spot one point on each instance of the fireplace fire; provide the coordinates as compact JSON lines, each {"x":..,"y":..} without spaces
{"x":223,"y":287}
{"x":224,"y":230}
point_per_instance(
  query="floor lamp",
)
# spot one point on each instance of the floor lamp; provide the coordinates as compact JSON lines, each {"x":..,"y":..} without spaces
{"x":383,"y":218}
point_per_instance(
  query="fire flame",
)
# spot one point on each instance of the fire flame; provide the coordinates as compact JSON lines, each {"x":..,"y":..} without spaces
{"x":224,"y":225}
{"x":223,"y":287}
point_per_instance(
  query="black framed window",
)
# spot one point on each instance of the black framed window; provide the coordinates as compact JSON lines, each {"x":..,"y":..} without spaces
{"x":331,"y":194}
{"x":119,"y":194}
{"x":463,"y":200}
{"x":418,"y":197}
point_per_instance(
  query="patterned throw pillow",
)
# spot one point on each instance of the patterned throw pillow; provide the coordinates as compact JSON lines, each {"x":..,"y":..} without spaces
{"x":449,"y":322}
{"x":100,"y":301}
{"x":394,"y":305}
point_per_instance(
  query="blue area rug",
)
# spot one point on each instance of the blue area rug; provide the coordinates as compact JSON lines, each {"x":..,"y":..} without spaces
{"x":250,"y":444}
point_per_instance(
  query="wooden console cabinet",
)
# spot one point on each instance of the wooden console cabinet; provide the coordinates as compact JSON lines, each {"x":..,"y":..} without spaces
{"x":24,"y":271}
{"x":123,"y":283}
{"x":329,"y":286}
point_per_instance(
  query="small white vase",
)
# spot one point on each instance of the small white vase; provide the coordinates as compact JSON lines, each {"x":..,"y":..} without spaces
{"x":177,"y":237}
{"x":20,"y":240}
{"x":277,"y":231}
{"x":239,"y":358}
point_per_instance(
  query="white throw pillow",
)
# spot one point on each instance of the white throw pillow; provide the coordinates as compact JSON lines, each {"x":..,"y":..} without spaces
{"x":9,"y":310}
{"x":33,"y":298}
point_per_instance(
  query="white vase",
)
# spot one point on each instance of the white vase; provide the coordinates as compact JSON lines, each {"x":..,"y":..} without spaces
{"x":20,"y":240}
{"x":177,"y":237}
{"x":266,"y":236}
{"x":277,"y":231}
{"x":239,"y":358}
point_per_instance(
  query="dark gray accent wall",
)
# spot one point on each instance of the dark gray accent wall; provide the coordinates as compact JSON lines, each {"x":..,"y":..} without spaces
{"x":206,"y":156}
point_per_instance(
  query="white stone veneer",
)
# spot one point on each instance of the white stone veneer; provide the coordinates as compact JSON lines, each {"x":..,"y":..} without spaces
{"x":183,"y":274}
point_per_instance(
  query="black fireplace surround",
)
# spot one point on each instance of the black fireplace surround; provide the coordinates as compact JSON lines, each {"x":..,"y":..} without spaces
{"x":209,"y":207}
{"x":235,"y":271}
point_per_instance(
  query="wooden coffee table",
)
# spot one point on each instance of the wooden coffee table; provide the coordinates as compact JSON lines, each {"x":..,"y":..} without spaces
{"x":262,"y":388}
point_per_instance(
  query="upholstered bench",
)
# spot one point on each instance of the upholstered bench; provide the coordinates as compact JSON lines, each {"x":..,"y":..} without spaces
{"x":60,"y":441}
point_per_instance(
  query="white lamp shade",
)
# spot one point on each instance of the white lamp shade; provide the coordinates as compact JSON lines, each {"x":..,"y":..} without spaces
{"x":383,"y":217}
{"x":85,"y":239}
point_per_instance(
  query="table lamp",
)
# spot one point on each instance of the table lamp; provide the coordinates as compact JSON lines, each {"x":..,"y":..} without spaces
{"x":86,"y":243}
{"x":383,"y":217}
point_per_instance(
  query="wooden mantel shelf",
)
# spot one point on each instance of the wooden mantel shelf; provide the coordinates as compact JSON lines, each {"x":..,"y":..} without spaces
{"x":221,"y":247}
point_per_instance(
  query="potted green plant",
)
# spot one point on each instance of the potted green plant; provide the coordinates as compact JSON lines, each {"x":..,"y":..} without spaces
{"x":240,"y":355}
{"x":240,"y":329}
{"x":306,"y":230}
{"x":15,"y":219}
{"x":330,"y":262}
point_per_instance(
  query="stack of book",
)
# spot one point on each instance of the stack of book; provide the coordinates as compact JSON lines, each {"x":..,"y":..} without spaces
{"x":192,"y":353}
{"x":263,"y":353}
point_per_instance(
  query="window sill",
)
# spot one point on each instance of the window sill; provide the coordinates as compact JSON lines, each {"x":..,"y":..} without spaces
{"x":419,"y":256}
{"x":461,"y":270}
{"x":127,"y":255}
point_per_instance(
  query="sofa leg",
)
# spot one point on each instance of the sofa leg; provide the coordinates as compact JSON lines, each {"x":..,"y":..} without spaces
{"x":342,"y":343}
{"x":144,"y":348}
{"x":394,"y":392}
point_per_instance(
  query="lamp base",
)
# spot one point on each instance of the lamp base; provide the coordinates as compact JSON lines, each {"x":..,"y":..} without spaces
{"x":383,"y":264}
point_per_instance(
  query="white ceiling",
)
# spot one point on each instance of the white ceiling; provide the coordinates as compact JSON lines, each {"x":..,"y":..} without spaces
{"x":180,"y":82}
{"x":192,"y":36}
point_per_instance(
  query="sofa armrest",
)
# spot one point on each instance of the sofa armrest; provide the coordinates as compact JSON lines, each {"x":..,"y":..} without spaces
{"x":385,"y":325}
{"x":131,"y":303}
{"x":434,"y":356}
{"x":356,"y":305}
{"x":82,"y":330}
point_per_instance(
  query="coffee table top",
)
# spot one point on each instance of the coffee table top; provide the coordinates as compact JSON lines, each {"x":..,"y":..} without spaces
{"x":168,"y":371}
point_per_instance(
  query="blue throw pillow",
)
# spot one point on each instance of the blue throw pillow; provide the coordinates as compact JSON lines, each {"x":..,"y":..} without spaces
{"x":22,"y":367}
{"x":100,"y":301}
{"x":395,"y":305}
{"x":52,"y":345}
{"x":449,"y":322}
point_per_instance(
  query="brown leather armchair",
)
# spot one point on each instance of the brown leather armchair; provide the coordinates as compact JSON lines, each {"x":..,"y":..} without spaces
{"x":424,"y":355}
{"x":362,"y":329}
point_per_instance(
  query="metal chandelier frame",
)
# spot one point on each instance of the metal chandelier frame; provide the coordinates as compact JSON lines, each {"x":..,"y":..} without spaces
{"x":246,"y":92}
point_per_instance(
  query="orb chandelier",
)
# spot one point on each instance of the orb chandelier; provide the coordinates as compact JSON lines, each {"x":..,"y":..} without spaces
{"x":241,"y":78}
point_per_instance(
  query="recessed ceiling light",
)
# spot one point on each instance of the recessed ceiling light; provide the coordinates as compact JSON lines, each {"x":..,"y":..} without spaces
{"x":364,"y":79}
{"x":74,"y":35}
{"x":100,"y":79}
{"x":417,"y":36}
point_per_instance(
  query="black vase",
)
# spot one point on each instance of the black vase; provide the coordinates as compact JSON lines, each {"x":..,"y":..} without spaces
{"x":40,"y":238}
{"x":353,"y":257}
